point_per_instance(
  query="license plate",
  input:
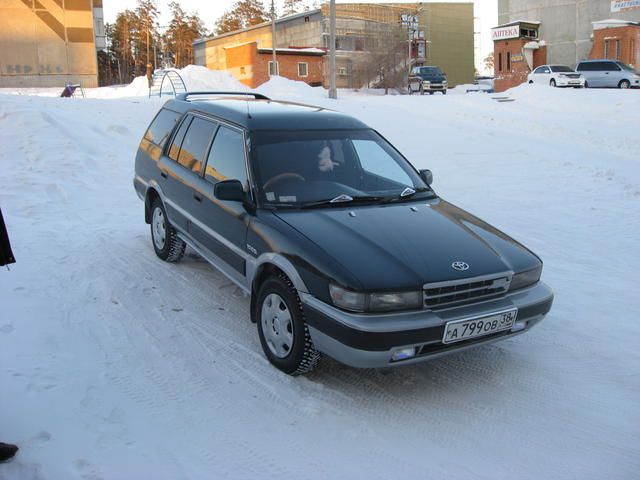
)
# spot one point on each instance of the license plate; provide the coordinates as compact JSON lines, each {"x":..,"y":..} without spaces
{"x":458,"y":330}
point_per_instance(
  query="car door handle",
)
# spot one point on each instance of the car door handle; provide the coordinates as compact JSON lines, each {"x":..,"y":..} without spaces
{"x":197,"y":197}
{"x":163,"y":174}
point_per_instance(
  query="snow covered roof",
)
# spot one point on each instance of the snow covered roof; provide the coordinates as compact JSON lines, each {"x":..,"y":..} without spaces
{"x":611,"y":23}
{"x":295,"y":51}
{"x":518,"y":22}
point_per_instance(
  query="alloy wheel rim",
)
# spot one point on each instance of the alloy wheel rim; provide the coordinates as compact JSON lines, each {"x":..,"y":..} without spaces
{"x":277,"y":325}
{"x":158,"y":228}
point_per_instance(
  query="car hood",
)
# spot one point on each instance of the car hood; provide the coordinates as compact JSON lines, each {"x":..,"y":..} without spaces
{"x":402,"y":246}
{"x":433,"y":78}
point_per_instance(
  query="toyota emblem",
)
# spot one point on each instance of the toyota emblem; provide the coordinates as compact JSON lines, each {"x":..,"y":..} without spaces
{"x":460,"y":266}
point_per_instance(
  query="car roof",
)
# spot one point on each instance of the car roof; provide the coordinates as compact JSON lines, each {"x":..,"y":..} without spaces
{"x":599,"y":60}
{"x":254,"y":111}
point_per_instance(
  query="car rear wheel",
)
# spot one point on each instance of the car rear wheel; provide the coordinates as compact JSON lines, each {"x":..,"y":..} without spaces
{"x":552,"y":82}
{"x":624,"y":84}
{"x":586,"y":84}
{"x":421,"y":90}
{"x":166,"y":242}
{"x":409,"y":89}
{"x":283,"y":333}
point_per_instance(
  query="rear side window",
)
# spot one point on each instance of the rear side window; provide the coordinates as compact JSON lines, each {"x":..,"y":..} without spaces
{"x":226,"y":158}
{"x":161,"y":127}
{"x":584,"y":67}
{"x":610,"y":66}
{"x":195,"y":143}
{"x":174,"y":150}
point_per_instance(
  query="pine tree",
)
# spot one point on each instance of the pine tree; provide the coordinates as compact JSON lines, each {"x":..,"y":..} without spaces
{"x":292,"y":6}
{"x":183,"y":30}
{"x":244,"y":13}
{"x":121,"y":39}
{"x":147,"y":31}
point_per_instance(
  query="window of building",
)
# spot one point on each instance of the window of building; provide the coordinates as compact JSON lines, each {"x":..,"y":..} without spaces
{"x":195,"y":143}
{"x":226,"y":158}
{"x":632,"y":50}
{"x":508,"y":61}
{"x":499,"y":61}
{"x":303,"y":69}
{"x":617,"y":49}
{"x":606,"y":49}
{"x":342,"y":70}
{"x":273,"y":71}
{"x":306,"y":19}
{"x":359,"y":44}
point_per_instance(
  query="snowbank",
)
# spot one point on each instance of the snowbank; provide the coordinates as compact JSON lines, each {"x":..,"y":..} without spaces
{"x":280,"y":88}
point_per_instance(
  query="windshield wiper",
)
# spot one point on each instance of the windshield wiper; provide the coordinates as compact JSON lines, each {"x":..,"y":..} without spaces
{"x":407,"y":193}
{"x":343,"y":198}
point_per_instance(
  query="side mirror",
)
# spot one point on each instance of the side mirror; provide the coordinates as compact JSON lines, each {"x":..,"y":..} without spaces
{"x":229,"y":190}
{"x":426,"y":176}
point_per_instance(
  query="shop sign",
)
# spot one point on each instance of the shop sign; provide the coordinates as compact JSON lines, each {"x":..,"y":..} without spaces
{"x":503,"y":33}
{"x":624,"y":5}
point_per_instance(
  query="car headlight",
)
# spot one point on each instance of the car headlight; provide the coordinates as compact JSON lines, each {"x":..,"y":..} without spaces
{"x":526,"y":278}
{"x":426,"y":81}
{"x":375,"y":302}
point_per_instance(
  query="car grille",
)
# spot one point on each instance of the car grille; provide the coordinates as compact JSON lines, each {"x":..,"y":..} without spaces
{"x":573,"y":75}
{"x":469,"y":290}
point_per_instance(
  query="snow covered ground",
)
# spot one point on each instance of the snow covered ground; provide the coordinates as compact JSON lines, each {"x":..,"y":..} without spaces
{"x":115,"y":365}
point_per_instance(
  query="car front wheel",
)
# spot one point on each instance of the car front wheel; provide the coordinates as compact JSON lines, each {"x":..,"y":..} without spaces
{"x":166,"y":242}
{"x":552,"y":82}
{"x":624,"y":84}
{"x":283,"y":333}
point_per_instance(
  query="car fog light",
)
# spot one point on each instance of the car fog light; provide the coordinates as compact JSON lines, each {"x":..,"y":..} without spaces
{"x":403,"y":354}
{"x":519,"y":326}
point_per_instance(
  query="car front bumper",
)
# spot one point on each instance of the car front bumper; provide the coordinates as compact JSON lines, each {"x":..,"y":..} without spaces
{"x":370,"y":340}
{"x":570,"y":82}
{"x":434,"y":87}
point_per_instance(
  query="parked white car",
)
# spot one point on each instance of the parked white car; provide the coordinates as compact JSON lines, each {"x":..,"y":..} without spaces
{"x":556,"y":76}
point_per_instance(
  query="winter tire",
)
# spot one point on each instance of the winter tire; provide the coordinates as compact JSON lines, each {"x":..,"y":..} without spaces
{"x":624,"y":84}
{"x":164,"y":237}
{"x":421,"y":90}
{"x":552,"y":83}
{"x":409,"y":89}
{"x":283,"y":333}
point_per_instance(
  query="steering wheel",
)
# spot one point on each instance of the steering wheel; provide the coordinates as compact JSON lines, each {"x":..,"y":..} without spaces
{"x":280,"y":177}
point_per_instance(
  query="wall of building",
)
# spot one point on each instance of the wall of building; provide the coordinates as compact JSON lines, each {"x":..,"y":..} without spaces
{"x":511,"y":67}
{"x":43,"y":44}
{"x":251,"y":66}
{"x":449,"y":28}
{"x":627,"y":49}
{"x":566,"y":24}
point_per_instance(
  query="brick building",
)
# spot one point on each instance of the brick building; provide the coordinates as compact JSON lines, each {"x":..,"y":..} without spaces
{"x":617,"y":40}
{"x":516,"y":52}
{"x":251,"y":65}
{"x":444,"y":37}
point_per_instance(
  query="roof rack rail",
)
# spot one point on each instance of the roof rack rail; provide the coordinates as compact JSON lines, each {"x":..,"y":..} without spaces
{"x":185,"y":96}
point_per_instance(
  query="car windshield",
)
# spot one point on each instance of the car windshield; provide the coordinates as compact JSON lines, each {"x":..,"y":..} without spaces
{"x":430,"y":71}
{"x":627,"y":67}
{"x":561,"y":68}
{"x":295,"y":168}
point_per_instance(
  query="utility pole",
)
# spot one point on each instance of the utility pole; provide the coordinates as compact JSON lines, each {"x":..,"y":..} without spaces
{"x":273,"y":39}
{"x":333,"y":93}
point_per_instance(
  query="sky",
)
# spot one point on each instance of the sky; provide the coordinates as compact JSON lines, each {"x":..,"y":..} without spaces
{"x":485,"y":11}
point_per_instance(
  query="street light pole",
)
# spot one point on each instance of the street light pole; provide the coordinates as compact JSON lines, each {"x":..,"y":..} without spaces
{"x":273,"y":38}
{"x":333,"y":93}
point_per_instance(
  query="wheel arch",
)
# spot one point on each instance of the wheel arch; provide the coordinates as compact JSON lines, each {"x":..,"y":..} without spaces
{"x":266,"y":266}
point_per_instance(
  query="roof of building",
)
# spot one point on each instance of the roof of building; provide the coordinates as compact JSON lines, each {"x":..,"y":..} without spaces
{"x":262,"y":113}
{"x":612,"y":22}
{"x":518,"y":22}
{"x":288,"y":18}
{"x":295,"y":51}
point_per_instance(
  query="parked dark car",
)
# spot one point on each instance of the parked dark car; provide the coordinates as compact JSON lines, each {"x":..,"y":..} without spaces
{"x":608,"y":73}
{"x":343,"y":246}
{"x":427,"y":79}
